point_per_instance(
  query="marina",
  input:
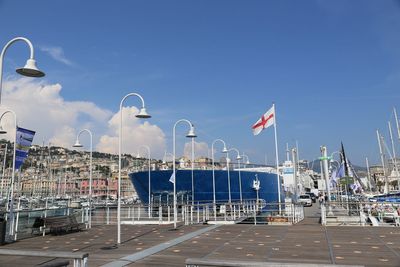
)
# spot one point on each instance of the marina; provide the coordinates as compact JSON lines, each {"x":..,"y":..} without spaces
{"x":200,"y":133}
{"x":307,"y":242}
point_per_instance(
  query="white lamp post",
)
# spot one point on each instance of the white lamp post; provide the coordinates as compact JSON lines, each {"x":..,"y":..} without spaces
{"x":3,"y":170}
{"x":247,"y":158}
{"x":165,"y":156}
{"x":11,"y":231}
{"x":78,"y":144}
{"x":229,"y":177}
{"x":192,"y":161}
{"x":149,"y":169}
{"x":224,"y":150}
{"x":142,"y":115}
{"x":191,"y":134}
{"x":238,"y":158}
{"x":29,"y":69}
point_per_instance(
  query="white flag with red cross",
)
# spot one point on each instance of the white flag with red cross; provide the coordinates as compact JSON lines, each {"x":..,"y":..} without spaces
{"x":266,"y":120}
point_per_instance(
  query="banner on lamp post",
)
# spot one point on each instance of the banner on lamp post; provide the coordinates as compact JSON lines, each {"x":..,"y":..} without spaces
{"x":23,"y":143}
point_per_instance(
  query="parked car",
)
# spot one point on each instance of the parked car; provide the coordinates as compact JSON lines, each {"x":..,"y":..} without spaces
{"x":305,"y":200}
{"x":313,"y":196}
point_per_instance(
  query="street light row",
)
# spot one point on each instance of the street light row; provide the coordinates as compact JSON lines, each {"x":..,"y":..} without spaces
{"x":30,"y":69}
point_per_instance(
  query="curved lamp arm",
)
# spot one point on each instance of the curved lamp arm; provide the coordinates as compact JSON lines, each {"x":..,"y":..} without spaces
{"x":32,"y":55}
{"x":238,"y":157}
{"x":30,"y":68}
{"x":77,"y":144}
{"x":247,"y":157}
{"x":336,"y":152}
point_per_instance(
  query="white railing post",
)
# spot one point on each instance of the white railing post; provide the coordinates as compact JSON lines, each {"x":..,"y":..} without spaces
{"x":108,"y":215}
{"x":255,"y":217}
{"x":198,"y":213}
{"x":191,"y":214}
{"x":160,"y":218}
{"x":323,"y":218}
{"x":17,"y":221}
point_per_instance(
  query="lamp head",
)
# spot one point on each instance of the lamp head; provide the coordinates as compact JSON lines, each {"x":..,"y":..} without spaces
{"x":247,"y":162}
{"x":2,"y":131}
{"x":191,"y":133}
{"x":238,"y":157}
{"x":77,"y":144}
{"x":30,"y":69}
{"x":143,"y":114}
{"x":138,"y":155}
{"x":224,"y":150}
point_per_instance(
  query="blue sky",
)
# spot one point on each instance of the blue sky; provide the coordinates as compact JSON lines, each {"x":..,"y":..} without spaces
{"x":331,"y":67}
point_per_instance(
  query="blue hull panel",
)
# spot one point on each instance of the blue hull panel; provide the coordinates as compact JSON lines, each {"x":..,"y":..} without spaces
{"x":203,"y":185}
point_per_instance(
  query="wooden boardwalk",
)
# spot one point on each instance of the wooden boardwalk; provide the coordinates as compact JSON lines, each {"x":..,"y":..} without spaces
{"x":307,"y":242}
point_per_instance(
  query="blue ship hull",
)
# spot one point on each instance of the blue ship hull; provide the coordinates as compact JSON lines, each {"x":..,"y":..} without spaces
{"x":162,"y":188}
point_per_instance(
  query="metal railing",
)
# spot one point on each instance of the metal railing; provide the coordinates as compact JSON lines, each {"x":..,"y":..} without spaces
{"x":20,"y":223}
{"x":200,"y":213}
{"x":360,"y":213}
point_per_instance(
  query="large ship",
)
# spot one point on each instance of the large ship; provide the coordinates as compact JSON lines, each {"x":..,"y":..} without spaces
{"x":162,"y":188}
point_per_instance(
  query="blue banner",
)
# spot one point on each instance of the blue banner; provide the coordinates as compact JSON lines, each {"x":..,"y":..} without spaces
{"x":24,"y":141}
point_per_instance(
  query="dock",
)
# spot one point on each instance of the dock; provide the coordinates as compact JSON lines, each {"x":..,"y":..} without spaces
{"x":307,"y":242}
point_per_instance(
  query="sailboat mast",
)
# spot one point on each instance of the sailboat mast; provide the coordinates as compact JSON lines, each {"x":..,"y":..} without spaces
{"x":287,"y":152}
{"x":397,"y":123}
{"x":394,"y":161}
{"x":383,"y":161}
{"x":369,"y":175}
{"x":297,"y":156}
{"x":344,"y":161}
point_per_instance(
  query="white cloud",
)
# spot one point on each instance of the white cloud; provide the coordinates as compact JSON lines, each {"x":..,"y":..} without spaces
{"x":135,"y":133}
{"x":40,"y":107}
{"x":200,"y":149}
{"x":56,"y":53}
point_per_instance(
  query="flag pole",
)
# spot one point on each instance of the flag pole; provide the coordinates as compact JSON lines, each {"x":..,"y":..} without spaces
{"x":277,"y":160}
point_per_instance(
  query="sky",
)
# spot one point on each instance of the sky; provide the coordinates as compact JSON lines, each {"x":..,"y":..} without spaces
{"x":331,"y":67}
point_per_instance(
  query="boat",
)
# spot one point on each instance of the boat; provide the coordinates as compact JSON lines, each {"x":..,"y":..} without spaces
{"x":162,"y":188}
{"x":390,"y":197}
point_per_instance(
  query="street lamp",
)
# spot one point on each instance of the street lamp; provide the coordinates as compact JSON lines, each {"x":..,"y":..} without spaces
{"x":247,"y":161}
{"x":141,"y":115}
{"x":149,"y":155}
{"x":224,"y":150}
{"x":192,"y":163}
{"x":165,"y":156}
{"x":238,"y":158}
{"x":191,"y":134}
{"x":10,"y":201}
{"x":77,"y":145}
{"x":29,"y":69}
{"x":336,"y":152}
